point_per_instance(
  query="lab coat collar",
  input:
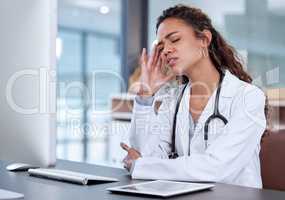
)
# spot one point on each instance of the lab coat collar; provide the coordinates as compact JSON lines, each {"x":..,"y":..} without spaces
{"x":229,"y":84}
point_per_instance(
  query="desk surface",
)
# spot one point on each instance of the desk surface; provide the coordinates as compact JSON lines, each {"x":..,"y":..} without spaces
{"x":37,"y":188}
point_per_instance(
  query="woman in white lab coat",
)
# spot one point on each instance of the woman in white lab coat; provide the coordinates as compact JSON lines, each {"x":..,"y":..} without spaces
{"x":189,"y":45}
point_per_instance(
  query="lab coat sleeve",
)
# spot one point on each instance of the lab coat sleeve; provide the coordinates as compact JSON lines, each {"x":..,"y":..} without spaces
{"x":150,"y":130}
{"x":226,"y":156}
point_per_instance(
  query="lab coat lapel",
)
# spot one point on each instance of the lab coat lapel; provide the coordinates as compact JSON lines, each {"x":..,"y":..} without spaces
{"x":182,"y":124}
{"x":228,"y":89}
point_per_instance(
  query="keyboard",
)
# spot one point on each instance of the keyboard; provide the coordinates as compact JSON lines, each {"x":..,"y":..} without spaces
{"x":69,"y":176}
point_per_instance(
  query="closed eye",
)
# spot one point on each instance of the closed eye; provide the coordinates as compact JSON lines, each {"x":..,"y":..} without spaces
{"x":176,"y":40}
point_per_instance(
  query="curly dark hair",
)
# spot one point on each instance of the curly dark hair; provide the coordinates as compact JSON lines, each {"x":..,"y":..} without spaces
{"x":223,"y":55}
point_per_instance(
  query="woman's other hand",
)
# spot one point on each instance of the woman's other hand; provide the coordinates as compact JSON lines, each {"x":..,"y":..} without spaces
{"x":133,"y":154}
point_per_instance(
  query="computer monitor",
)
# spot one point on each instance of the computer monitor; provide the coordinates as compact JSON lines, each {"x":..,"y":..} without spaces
{"x":27,"y":81}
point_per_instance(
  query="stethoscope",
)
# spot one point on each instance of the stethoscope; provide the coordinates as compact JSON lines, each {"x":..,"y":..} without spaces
{"x":216,"y":115}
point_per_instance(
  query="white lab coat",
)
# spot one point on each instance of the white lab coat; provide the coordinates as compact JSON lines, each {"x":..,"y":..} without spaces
{"x":233,"y":153}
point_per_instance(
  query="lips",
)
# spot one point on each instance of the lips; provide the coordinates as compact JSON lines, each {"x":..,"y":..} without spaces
{"x":172,"y":61}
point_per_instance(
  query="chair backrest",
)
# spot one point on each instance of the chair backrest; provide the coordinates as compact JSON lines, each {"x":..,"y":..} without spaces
{"x":272,"y":158}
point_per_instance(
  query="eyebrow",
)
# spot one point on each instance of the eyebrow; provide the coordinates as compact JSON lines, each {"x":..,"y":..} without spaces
{"x":167,"y":36}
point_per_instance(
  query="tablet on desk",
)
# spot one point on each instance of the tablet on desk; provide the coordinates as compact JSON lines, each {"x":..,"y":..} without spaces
{"x":161,"y":188}
{"x":6,"y":194}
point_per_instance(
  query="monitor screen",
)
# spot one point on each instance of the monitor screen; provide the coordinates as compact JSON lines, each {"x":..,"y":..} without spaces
{"x":28,"y":81}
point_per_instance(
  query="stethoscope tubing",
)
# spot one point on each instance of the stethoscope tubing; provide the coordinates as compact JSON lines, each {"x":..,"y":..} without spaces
{"x":216,"y":115}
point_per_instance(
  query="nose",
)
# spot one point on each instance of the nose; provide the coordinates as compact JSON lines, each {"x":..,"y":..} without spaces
{"x":167,"y":49}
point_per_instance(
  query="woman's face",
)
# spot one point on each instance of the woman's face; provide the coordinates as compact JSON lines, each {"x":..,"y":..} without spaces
{"x":182,"y":48}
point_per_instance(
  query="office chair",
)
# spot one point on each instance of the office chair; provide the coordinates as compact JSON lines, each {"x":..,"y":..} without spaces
{"x":272,"y":158}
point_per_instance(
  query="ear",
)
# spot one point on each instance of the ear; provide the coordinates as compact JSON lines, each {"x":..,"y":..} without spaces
{"x":206,"y":40}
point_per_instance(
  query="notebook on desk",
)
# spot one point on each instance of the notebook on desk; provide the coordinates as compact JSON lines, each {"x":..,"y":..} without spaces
{"x":69,"y":176}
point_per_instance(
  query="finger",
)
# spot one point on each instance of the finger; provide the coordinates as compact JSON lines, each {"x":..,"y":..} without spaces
{"x":153,"y":56}
{"x":133,"y":154}
{"x":125,"y":165}
{"x":163,"y":61}
{"x":156,"y":55}
{"x":126,"y":160}
{"x":124,"y":146}
{"x":128,"y":165}
{"x":145,"y":61}
{"x":143,"y":57}
{"x":158,"y":65}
